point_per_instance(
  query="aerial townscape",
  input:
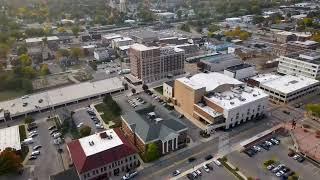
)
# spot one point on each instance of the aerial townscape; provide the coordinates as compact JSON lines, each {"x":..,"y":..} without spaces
{"x":159,"y":89}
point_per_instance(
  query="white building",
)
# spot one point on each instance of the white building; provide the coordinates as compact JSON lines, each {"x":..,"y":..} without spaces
{"x":240,"y":71}
{"x":103,"y":155}
{"x":305,"y":63}
{"x":101,"y":54}
{"x":106,"y":39}
{"x":123,"y":41}
{"x":218,"y":100}
{"x":168,"y":89}
{"x":10,"y":138}
{"x":284,"y":89}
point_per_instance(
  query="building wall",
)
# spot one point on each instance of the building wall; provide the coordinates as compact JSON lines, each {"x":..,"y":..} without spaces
{"x":185,"y":96}
{"x":241,"y":73}
{"x":167,"y":91}
{"x":245,"y":112}
{"x":297,"y":67}
{"x":111,"y":169}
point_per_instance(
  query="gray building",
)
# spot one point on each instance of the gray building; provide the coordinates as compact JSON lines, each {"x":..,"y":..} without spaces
{"x":220,"y":62}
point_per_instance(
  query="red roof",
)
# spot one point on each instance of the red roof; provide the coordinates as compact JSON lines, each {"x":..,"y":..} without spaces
{"x":85,"y":163}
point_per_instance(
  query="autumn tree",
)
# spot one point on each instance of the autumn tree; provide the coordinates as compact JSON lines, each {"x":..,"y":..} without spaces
{"x":44,"y":70}
{"x":10,"y":162}
{"x":76,"y":53}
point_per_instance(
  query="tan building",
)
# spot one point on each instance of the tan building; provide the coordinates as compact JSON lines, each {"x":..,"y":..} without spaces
{"x":218,"y":100}
{"x":155,"y":63}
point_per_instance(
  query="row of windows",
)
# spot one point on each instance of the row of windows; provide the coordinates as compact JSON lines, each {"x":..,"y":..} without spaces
{"x":114,"y":164}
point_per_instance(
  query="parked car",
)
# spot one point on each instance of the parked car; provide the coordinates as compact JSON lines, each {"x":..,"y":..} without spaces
{"x":268,"y":143}
{"x":208,"y":157}
{"x":33,"y":135}
{"x":191,"y":159}
{"x":300,"y":159}
{"x":79,"y":125}
{"x":206,"y":169}
{"x":32,"y":157}
{"x":257,"y":148}
{"x":278,"y":168}
{"x":271,"y":166}
{"x":190,"y":176}
{"x":35,"y":153}
{"x":52,"y":127}
{"x":53,"y":131}
{"x":274,"y":141}
{"x":195,"y":175}
{"x":198,"y":172}
{"x":36,"y":147}
{"x":57,"y":141}
{"x":56,"y":135}
{"x":265,"y":146}
{"x":209,"y":166}
{"x":279,"y":173}
{"x":217,"y":162}
{"x":176,"y":173}
{"x":296,"y":156}
{"x":129,"y":175}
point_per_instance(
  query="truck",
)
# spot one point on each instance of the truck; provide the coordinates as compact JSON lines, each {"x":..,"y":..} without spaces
{"x":28,"y":141}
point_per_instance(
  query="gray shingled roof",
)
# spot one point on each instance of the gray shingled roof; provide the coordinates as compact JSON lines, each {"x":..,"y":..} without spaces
{"x":149,"y":130}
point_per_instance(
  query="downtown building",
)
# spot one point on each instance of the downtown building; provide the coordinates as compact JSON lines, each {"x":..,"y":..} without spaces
{"x":103,"y":155}
{"x":217,"y":100}
{"x":305,"y":63}
{"x":149,"y":64}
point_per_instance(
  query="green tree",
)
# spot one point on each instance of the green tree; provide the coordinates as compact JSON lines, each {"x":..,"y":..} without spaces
{"x":152,"y":153}
{"x":10,"y":162}
{"x":22,"y":49}
{"x":25,"y":60}
{"x":28,"y":72}
{"x":4,"y":50}
{"x":28,"y":120}
{"x":63,"y":53}
{"x":61,"y":30}
{"x":85,"y":131}
{"x":76,"y":53}
{"x":75,"y":30}
{"x":112,"y":105}
{"x":213,"y":28}
{"x":44,"y":70}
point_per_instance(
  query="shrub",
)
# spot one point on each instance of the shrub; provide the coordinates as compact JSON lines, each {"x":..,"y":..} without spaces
{"x":28,"y":120}
{"x":268,"y":162}
{"x":85,"y":131}
{"x":224,"y":158}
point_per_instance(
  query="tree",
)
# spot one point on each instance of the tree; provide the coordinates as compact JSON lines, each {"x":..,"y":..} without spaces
{"x":244,"y":35}
{"x":28,"y":120}
{"x":22,"y":49}
{"x":25,"y":60}
{"x":61,"y":30}
{"x":4,"y":50}
{"x":28,"y":72}
{"x":152,"y":152}
{"x":185,"y":27}
{"x":75,"y":30}
{"x":257,"y":19}
{"x":133,"y":91}
{"x":85,"y":131}
{"x":44,"y":70}
{"x":10,"y":162}
{"x":112,"y":105}
{"x":213,"y":28}
{"x":76,"y":53}
{"x":63,"y":53}
{"x":145,"y":87}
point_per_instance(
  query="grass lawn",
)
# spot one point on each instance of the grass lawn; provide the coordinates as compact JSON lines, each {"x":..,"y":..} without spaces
{"x":108,"y":115}
{"x":6,"y":95}
{"x":159,"y":89}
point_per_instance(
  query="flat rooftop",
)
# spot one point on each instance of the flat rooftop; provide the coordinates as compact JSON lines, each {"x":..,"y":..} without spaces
{"x":40,"y":39}
{"x":288,"y":83}
{"x":208,"y":80}
{"x":10,"y":137}
{"x":237,"y":97}
{"x":238,"y":67}
{"x":218,"y":58}
{"x":141,"y":47}
{"x":100,"y":144}
{"x":111,"y":36}
{"x":60,"y":96}
{"x":307,"y":56}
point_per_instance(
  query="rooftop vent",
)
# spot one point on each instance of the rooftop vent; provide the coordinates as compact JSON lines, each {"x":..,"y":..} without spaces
{"x":232,"y":103}
{"x":103,"y":135}
{"x":91,"y":143}
{"x":254,"y":95}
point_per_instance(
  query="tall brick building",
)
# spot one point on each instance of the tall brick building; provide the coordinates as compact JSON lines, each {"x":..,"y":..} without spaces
{"x":155,"y":63}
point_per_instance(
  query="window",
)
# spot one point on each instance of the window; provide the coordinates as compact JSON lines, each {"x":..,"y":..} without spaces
{"x":93,"y":172}
{"x":134,"y":157}
{"x":85,"y":176}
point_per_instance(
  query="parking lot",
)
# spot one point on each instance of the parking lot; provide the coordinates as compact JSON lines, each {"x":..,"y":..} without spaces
{"x":48,"y":153}
{"x":253,"y":166}
{"x":215,"y":173}
{"x":82,"y":116}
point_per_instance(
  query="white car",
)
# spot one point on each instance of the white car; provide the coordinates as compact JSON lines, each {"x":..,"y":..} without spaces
{"x":33,"y":135}
{"x":257,"y":148}
{"x":295,"y":157}
{"x":35,"y":153}
{"x":206,"y":169}
{"x":269,"y":143}
{"x":79,"y":125}
{"x":198,"y":172}
{"x":57,"y":141}
{"x":217,"y":162}
{"x":32,"y":132}
{"x":176,"y":173}
{"x":279,"y":173}
{"x":129,"y":175}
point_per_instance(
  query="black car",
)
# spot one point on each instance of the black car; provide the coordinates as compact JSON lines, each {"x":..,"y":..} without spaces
{"x":249,"y":152}
{"x":190,"y":176}
{"x":52,"y":127}
{"x":301,"y":159}
{"x":191,"y":159}
{"x":53,"y":131}
{"x":209,"y":166}
{"x":30,"y":128}
{"x":208,"y":157}
{"x":265,"y":146}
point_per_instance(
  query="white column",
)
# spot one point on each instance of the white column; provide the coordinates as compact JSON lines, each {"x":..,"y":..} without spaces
{"x":177,"y":143}
{"x":163,"y":147}
{"x":172,"y":144}
{"x":167,"y":146}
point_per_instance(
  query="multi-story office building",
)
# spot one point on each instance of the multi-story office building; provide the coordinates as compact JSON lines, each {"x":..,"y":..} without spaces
{"x":305,"y":63}
{"x":103,"y":155}
{"x":285,"y":89}
{"x":155,"y":63}
{"x":218,"y":100}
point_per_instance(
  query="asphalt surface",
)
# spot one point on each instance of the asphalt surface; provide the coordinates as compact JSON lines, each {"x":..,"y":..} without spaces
{"x":81,"y":116}
{"x":253,"y":166}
